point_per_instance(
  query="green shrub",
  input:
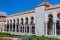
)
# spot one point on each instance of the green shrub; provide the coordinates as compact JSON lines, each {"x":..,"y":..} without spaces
{"x":33,"y":32}
{"x":9,"y":35}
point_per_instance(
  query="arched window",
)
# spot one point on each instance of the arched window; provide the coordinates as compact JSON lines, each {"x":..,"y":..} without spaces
{"x":17,"y":24}
{"x":58,"y":15}
{"x":17,"y":21}
{"x":50,"y":16}
{"x":50,"y":21}
{"x":7,"y":21}
{"x":7,"y":28}
{"x":28,"y":29}
{"x":13,"y":25}
{"x":10,"y":25}
{"x":10,"y":21}
{"x":13,"y":21}
{"x":21,"y":20}
{"x":26,"y":21}
{"x":58,"y":21}
{"x":32,"y":19}
{"x":58,"y":24}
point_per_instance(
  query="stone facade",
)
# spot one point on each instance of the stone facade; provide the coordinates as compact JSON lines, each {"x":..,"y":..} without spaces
{"x":44,"y":20}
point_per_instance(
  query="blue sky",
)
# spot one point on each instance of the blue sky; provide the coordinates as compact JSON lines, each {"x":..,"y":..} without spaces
{"x":15,"y":6}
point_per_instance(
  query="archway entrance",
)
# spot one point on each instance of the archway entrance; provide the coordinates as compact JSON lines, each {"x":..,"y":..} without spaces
{"x":50,"y":24}
{"x":58,"y":25}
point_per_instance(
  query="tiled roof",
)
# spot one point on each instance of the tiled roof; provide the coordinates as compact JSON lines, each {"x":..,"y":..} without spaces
{"x":2,"y":19}
{"x":53,"y":7}
{"x":48,"y":5}
{"x":22,"y":13}
{"x":44,"y":3}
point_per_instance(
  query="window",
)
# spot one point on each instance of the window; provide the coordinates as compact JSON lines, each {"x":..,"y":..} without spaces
{"x":21,"y":28}
{"x":32,"y":19}
{"x":28,"y":29}
{"x":21,"y":20}
{"x":58,"y":15}
{"x":10,"y":25}
{"x":26,"y":21}
{"x":33,"y":29}
{"x":17,"y":25}
{"x":7,"y":21}
{"x":17,"y":21}
{"x":7,"y":25}
{"x":13,"y":25}
{"x":50,"y":21}
{"x":14,"y":21}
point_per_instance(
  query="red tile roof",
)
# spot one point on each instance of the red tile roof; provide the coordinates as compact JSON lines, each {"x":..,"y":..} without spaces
{"x":2,"y":19}
{"x":44,"y":3}
{"x":22,"y":13}
{"x":53,"y":7}
{"x":49,"y":6}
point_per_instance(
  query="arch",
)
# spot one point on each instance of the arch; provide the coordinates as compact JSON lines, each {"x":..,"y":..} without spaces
{"x":50,"y":21}
{"x":58,"y":15}
{"x":32,"y":19}
{"x":7,"y":21}
{"x":10,"y":22}
{"x":17,"y":21}
{"x":17,"y":28}
{"x":13,"y":25}
{"x":21,"y":20}
{"x":7,"y":27}
{"x":26,"y":20}
{"x":13,"y":21}
{"x":50,"y":16}
{"x":50,"y":24}
{"x":58,"y":24}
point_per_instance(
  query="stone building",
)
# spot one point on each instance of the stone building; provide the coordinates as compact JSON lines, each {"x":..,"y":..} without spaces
{"x":43,"y":20}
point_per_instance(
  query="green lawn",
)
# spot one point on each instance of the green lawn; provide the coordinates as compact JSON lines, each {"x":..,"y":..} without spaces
{"x":26,"y":37}
{"x":40,"y":38}
{"x":44,"y":38}
{"x":9,"y":35}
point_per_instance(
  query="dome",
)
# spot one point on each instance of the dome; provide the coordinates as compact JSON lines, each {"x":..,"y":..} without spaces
{"x":3,"y":13}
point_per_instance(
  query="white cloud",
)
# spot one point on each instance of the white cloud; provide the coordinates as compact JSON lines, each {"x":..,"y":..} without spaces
{"x":3,"y":13}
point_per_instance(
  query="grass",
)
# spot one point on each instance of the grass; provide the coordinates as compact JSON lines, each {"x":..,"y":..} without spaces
{"x":40,"y":38}
{"x":9,"y":35}
{"x":44,"y":38}
{"x":25,"y":38}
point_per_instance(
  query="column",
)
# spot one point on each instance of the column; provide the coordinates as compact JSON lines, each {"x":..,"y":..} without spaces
{"x":12,"y":25}
{"x":46,"y":28}
{"x":19,"y":25}
{"x":15,"y":25}
{"x":29,"y":24}
{"x":24,"y":28}
{"x":55,"y":28}
{"x":6,"y":25}
{"x":29,"y":28}
{"x":9,"y":25}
